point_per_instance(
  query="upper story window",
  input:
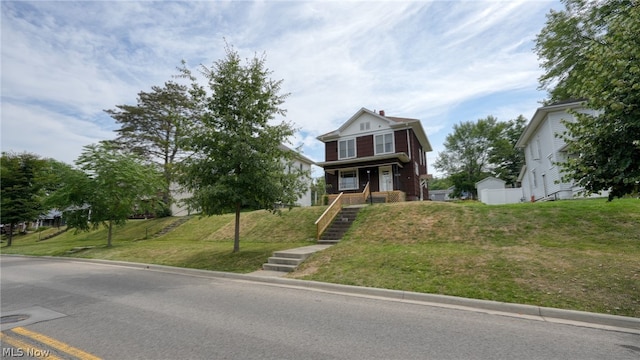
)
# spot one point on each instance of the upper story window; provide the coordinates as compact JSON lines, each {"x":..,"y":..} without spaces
{"x":536,"y":150}
{"x":384,"y":144}
{"x":365,"y":126}
{"x":346,"y":149}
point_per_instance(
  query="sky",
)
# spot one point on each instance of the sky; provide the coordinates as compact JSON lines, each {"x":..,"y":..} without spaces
{"x":443,"y":62}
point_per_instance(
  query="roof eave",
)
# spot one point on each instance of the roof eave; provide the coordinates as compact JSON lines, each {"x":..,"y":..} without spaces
{"x":539,"y":115}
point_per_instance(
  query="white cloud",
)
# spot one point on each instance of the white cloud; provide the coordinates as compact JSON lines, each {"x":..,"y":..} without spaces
{"x":64,"y":62}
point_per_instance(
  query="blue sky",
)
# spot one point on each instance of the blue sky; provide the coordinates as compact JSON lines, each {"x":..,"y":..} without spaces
{"x":442,"y":62}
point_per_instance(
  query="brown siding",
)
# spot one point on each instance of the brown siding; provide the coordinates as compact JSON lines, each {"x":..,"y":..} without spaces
{"x":409,"y":182}
{"x":364,"y":146}
{"x":400,"y":137}
{"x":331,"y":151}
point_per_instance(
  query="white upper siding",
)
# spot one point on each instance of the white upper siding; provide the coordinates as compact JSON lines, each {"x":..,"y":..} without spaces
{"x":365,"y":124}
{"x":542,"y":143}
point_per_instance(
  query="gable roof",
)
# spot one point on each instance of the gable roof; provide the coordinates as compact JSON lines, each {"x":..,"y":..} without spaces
{"x":298,"y":155}
{"x":396,"y":123}
{"x":541,"y":114}
{"x":490,"y":178}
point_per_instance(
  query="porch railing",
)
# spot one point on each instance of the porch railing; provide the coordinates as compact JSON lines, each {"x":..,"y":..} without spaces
{"x":353,"y":198}
{"x":328,"y":215}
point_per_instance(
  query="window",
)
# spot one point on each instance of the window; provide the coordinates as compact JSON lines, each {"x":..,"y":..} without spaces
{"x":346,"y":149}
{"x":384,"y":144}
{"x":348,"y":180}
{"x":534,"y":178}
{"x":365,"y":126}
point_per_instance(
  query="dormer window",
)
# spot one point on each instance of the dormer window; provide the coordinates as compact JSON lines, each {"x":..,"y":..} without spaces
{"x":346,"y":149}
{"x":384,"y":144}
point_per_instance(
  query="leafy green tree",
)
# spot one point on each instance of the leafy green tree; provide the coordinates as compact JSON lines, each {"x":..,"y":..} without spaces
{"x":466,"y":156}
{"x":591,"y":50}
{"x":156,"y":127}
{"x":506,"y":159}
{"x":108,"y":187}
{"x":318,"y":190}
{"x":440,"y":183}
{"x":238,"y":159}
{"x":21,"y":189}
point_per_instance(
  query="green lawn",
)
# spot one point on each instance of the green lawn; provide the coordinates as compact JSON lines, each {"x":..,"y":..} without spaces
{"x":577,"y":254}
{"x":201,"y":243}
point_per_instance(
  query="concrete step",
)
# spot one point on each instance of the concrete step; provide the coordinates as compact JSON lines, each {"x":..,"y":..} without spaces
{"x":284,"y":260}
{"x":288,"y":260}
{"x":328,"y":241}
{"x":278,"y":267}
{"x":332,"y":235}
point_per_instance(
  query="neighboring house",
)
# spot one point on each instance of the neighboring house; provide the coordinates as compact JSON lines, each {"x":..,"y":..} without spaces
{"x":543,"y":146}
{"x":303,"y":163}
{"x":390,"y":152}
{"x":300,"y":162}
{"x":441,"y":195}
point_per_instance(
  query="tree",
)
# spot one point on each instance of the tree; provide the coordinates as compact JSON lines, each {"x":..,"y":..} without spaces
{"x":466,"y":156}
{"x":591,"y":50}
{"x":108,"y":187}
{"x":238,"y":159}
{"x":156,"y":127}
{"x":21,"y":189}
{"x":440,"y":183}
{"x":503,"y":154}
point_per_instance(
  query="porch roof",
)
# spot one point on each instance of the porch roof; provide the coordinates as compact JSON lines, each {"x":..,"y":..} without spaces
{"x":366,"y":161}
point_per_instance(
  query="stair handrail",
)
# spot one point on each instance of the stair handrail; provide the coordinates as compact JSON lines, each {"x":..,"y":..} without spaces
{"x":365,"y":193}
{"x":328,"y":215}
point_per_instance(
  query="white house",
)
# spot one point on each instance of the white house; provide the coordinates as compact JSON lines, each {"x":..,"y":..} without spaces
{"x":543,"y":148}
{"x":304,"y":164}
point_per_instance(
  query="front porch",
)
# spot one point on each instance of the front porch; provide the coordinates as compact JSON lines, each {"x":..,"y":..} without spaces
{"x":376,"y":196}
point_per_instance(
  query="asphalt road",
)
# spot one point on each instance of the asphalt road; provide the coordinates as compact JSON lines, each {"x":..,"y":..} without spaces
{"x":116,"y":312}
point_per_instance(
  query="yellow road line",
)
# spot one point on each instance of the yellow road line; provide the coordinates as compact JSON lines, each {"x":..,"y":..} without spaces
{"x":55,"y":344}
{"x":26,"y":349}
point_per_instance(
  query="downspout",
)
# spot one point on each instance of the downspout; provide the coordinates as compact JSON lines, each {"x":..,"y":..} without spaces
{"x":409,"y":143}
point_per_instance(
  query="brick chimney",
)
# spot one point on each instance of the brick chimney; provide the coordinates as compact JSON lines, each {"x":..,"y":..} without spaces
{"x":381,"y":112}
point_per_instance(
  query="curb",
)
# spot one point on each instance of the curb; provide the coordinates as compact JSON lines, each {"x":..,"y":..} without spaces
{"x":532,"y":312}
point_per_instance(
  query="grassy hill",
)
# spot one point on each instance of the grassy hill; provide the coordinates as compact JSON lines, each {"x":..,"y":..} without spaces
{"x":579,"y":254}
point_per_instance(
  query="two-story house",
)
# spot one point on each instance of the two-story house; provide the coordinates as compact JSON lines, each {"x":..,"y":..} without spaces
{"x":544,"y":148}
{"x":388,"y":152}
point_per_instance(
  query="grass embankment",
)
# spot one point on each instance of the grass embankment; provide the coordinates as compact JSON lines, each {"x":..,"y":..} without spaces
{"x":580,"y":254}
{"x":201,"y":243}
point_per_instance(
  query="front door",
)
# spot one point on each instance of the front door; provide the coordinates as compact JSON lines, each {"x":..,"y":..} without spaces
{"x":386,"y":178}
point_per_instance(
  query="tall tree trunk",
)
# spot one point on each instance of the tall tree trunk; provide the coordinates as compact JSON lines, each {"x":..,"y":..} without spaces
{"x":109,"y":236}
{"x":236,"y":240}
